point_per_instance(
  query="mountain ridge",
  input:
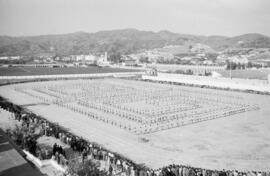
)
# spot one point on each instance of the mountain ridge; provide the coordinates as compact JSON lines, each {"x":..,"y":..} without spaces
{"x":123,"y":41}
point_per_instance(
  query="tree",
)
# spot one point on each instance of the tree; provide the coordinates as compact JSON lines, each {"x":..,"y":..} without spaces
{"x":249,"y":65}
{"x":230,"y":65}
{"x":144,"y":60}
{"x":190,"y":47}
{"x":115,"y":57}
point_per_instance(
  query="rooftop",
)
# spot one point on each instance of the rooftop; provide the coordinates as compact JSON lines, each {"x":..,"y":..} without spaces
{"x":12,"y":162}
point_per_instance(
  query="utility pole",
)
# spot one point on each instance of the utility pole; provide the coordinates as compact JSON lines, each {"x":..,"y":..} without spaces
{"x":231,"y":70}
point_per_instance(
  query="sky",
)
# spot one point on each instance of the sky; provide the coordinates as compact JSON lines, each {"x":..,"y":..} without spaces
{"x":199,"y":17}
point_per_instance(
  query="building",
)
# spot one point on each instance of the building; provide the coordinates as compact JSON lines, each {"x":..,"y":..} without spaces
{"x":90,"y":59}
{"x":151,"y":71}
{"x":103,"y":60}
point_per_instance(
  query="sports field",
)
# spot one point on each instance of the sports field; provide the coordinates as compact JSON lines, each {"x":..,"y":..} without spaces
{"x":157,"y":124}
{"x":24,"y":71}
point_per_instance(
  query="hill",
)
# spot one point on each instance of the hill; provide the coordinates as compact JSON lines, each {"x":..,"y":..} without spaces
{"x":119,"y":41}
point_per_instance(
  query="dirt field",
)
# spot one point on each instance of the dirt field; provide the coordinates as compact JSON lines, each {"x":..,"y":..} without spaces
{"x":236,"y":141}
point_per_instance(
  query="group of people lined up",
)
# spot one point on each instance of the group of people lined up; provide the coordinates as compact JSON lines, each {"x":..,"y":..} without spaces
{"x":115,"y":163}
{"x":168,"y":110}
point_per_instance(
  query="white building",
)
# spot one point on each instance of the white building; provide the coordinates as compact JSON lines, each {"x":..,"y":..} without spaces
{"x":103,"y":60}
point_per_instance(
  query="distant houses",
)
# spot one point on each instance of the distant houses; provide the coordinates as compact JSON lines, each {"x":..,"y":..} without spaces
{"x":191,"y":55}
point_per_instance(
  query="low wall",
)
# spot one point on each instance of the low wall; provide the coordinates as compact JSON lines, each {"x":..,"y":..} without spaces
{"x":235,"y":83}
{"x":196,"y":68}
{"x":41,"y":163}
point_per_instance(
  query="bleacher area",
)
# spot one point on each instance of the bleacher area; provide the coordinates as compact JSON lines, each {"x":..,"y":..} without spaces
{"x":137,"y":106}
{"x":29,"y":71}
{"x":246,"y":74}
{"x":237,"y":84}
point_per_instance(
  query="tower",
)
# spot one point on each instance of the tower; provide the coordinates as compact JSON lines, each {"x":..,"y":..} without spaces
{"x":105,"y":57}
